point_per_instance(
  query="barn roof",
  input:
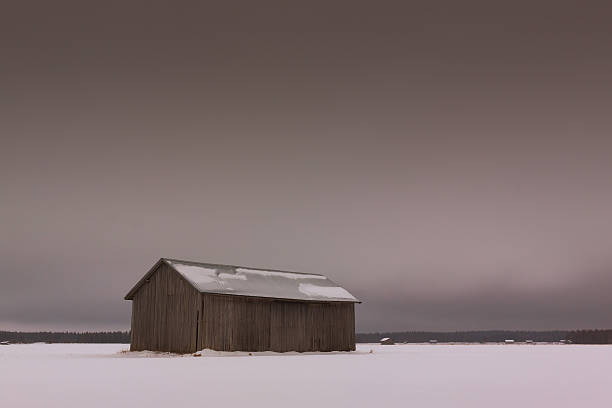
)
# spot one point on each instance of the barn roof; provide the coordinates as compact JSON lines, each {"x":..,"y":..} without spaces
{"x":243,"y":281}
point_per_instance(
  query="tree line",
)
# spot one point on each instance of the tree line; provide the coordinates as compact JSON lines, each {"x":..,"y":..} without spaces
{"x":495,"y":336}
{"x":65,"y":337}
{"x":485,"y":336}
{"x":590,"y":336}
{"x":598,"y":336}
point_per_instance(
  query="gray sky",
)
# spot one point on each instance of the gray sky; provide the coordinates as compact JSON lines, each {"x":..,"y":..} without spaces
{"x":449,"y":163}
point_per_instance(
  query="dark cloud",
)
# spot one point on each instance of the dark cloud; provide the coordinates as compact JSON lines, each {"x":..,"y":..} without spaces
{"x":448,"y":162}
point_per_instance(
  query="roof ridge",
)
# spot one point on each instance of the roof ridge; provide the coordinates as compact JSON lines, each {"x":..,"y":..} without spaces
{"x":210,"y":264}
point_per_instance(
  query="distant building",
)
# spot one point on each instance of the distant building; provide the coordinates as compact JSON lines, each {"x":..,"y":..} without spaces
{"x":182,"y":307}
{"x":386,"y":341}
{"x":509,"y":341}
{"x":5,"y":343}
{"x":433,"y":341}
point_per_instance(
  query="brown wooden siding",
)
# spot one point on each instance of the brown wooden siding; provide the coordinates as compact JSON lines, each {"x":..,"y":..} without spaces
{"x":231,"y":323}
{"x":164,"y":313}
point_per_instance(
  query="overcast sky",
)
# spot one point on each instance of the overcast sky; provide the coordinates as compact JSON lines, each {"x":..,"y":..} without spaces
{"x":449,"y":163}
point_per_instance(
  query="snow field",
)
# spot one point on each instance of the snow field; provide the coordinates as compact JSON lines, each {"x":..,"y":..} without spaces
{"x":100,"y":375}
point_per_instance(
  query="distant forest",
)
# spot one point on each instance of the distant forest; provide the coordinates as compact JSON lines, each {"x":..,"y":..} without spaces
{"x":464,"y":336}
{"x":590,"y":336}
{"x":66,"y":337}
{"x":575,"y":336}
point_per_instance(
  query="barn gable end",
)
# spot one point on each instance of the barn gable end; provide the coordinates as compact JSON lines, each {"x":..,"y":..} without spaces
{"x":164,"y":312}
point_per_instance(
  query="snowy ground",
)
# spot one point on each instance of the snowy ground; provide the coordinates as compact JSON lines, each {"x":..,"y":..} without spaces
{"x":97,"y":375}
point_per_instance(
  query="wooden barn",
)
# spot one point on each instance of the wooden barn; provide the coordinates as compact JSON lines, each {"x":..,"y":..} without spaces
{"x":183,"y":306}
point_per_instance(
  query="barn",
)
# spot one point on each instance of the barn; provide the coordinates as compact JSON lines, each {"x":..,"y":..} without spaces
{"x":182,"y":306}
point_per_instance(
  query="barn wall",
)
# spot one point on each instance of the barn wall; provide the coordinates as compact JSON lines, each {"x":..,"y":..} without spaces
{"x":164,"y":313}
{"x":231,"y":323}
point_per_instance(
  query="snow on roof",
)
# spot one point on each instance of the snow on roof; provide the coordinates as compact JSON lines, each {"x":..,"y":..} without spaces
{"x":235,"y":280}
{"x":385,"y":339}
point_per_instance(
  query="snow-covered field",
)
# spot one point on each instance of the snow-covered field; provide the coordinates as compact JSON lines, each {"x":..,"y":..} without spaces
{"x":98,"y":375}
